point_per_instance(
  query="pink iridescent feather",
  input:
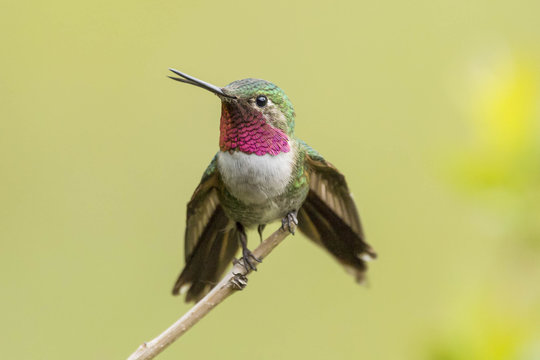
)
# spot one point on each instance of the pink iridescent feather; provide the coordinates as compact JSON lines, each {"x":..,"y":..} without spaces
{"x":251,"y":135}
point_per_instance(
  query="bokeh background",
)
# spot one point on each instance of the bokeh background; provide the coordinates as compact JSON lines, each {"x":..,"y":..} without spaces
{"x":430,"y":108}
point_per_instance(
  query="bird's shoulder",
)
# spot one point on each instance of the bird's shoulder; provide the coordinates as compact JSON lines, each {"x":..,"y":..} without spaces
{"x":211,"y":170}
{"x":310,"y":155}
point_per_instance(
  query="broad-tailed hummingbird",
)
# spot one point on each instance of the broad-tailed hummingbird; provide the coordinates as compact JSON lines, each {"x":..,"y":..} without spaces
{"x":262,"y":173}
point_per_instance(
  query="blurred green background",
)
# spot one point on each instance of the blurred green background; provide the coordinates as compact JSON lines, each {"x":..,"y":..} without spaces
{"x":430,"y":108}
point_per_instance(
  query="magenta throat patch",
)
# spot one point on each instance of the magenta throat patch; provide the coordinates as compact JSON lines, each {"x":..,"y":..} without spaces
{"x":252,"y":135}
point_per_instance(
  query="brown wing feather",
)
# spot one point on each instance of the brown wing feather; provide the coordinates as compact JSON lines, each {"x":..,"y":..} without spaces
{"x":210,"y":240}
{"x":330,"y":186}
{"x":200,"y":209}
{"x":329,"y":217}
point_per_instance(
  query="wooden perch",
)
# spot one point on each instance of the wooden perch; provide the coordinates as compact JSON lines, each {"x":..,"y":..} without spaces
{"x":233,"y":280}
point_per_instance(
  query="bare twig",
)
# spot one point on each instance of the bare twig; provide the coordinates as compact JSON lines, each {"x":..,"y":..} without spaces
{"x":220,"y":292}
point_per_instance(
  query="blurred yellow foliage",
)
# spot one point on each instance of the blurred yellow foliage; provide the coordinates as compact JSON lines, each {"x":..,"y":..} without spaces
{"x":506,"y":107}
{"x":503,"y":108}
{"x":500,"y":171}
{"x":485,"y":330}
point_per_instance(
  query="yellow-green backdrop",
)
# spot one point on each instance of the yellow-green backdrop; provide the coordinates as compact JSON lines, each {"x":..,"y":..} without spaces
{"x":430,"y":108}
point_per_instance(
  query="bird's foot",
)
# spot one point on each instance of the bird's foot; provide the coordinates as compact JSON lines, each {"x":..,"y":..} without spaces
{"x":247,"y":256}
{"x":249,"y":260}
{"x":239,"y":281}
{"x":289,"y":222}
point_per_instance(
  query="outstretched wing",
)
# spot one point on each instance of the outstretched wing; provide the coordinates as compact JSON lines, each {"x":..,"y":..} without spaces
{"x":329,"y":216}
{"x":210,"y":239}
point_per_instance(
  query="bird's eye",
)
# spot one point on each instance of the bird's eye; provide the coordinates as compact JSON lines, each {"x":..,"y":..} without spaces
{"x":261,"y":101}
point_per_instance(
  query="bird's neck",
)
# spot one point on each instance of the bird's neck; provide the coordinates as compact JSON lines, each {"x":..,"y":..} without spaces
{"x":250,"y":133}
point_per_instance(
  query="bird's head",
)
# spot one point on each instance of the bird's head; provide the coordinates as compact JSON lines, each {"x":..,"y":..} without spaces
{"x":256,"y":115}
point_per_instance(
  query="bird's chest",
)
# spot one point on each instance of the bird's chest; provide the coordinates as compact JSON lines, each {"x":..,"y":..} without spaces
{"x":255,"y":179}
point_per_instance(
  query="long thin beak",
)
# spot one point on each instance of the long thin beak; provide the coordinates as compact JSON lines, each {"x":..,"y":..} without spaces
{"x":202,"y":84}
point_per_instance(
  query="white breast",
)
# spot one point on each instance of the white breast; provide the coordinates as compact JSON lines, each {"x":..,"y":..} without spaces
{"x":255,"y":179}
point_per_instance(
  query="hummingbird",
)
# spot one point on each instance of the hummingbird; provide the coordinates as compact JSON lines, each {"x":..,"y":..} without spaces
{"x":263,"y":173}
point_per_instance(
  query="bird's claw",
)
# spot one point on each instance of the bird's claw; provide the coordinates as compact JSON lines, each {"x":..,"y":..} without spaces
{"x":239,"y":281}
{"x":247,"y":260}
{"x":289,"y":222}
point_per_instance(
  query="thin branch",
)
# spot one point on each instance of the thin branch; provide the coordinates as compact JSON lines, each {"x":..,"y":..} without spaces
{"x":220,"y":292}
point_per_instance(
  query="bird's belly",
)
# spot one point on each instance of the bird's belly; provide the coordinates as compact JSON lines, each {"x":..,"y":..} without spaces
{"x":254,"y":179}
